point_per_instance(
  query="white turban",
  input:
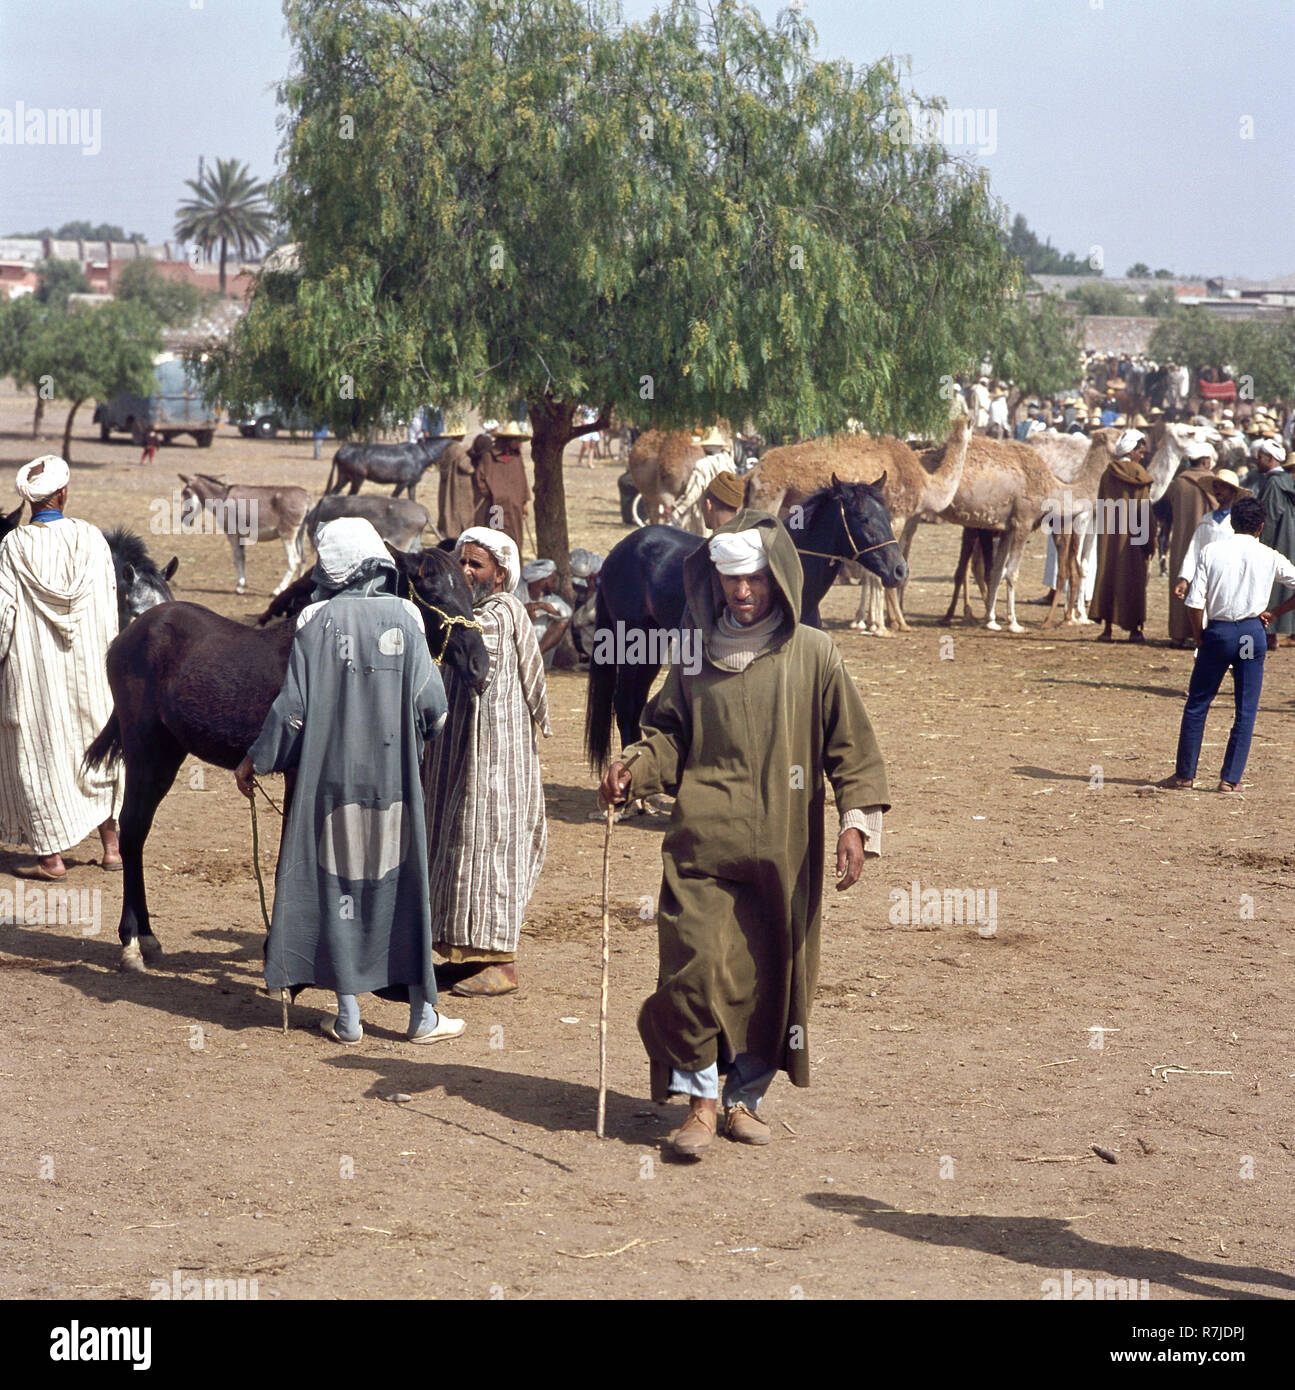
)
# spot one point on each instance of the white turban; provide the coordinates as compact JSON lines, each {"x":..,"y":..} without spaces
{"x":501,"y":549}
{"x":538,"y":569}
{"x":1274,"y":448}
{"x":739,"y":552}
{"x":1127,"y":442}
{"x":585,"y":563}
{"x":53,"y":476}
{"x":1035,"y":427}
{"x":1198,"y":449}
{"x":344,"y":545}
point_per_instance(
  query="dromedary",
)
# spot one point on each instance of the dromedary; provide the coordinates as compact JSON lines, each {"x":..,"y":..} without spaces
{"x":784,"y":477}
{"x":659,"y":464}
{"x":1006,"y":487}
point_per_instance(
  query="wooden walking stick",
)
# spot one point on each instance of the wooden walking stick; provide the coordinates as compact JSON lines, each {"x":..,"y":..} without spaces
{"x":607,"y":923}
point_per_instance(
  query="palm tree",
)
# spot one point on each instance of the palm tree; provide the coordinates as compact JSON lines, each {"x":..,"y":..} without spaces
{"x":228,"y":208}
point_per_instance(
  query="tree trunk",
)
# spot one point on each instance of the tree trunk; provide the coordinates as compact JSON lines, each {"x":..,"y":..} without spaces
{"x":224,"y":247}
{"x":38,"y":417}
{"x":551,"y":421}
{"x":67,"y":432}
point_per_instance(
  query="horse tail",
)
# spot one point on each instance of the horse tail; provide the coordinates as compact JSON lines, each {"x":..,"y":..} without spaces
{"x":106,"y":750}
{"x":600,"y":695}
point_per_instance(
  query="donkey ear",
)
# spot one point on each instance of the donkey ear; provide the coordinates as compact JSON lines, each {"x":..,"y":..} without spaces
{"x":169,"y":572}
{"x":183,"y":479}
{"x":836,"y":482}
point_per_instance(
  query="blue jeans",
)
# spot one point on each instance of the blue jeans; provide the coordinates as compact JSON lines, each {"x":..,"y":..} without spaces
{"x":1241,"y":646}
{"x":748,"y":1078}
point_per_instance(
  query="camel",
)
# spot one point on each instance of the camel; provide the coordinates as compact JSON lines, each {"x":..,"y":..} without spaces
{"x":659,"y":464}
{"x":1007,"y":487}
{"x":785,"y":476}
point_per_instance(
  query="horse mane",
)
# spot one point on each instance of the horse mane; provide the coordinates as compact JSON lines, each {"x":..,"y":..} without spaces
{"x":810,"y":506}
{"x":128,"y":548}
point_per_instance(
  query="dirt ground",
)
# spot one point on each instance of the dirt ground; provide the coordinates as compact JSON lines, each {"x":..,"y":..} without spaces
{"x":162,"y":1123}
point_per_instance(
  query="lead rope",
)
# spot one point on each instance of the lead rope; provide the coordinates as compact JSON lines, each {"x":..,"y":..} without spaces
{"x":449,"y":620}
{"x":260,"y":887}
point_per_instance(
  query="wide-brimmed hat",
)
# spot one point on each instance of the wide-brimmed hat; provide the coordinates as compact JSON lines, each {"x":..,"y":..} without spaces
{"x":454,"y":428}
{"x":712,"y":438}
{"x":727,"y":489}
{"x":513,"y":429}
{"x":1228,"y":478}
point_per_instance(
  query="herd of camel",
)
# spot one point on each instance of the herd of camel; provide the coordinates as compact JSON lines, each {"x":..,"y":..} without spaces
{"x":992,"y":488}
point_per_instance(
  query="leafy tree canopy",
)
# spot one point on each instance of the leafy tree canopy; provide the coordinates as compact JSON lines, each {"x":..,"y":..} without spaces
{"x":1035,"y":345}
{"x":171,"y":302}
{"x":1260,"y":351}
{"x":58,"y":279}
{"x":1103,"y":299}
{"x":1041,"y":257}
{"x":84,"y":231}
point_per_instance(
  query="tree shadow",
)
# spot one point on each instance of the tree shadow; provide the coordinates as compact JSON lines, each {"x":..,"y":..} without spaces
{"x":1050,"y":1242}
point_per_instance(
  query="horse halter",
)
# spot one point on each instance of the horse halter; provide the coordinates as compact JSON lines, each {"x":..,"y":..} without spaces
{"x":448,"y":620}
{"x":823,"y":555}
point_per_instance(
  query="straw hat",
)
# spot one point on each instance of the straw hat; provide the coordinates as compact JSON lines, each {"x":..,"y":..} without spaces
{"x":712,"y":439}
{"x":511,"y":429}
{"x":1140,"y":422}
{"x":454,"y":428}
{"x":1226,"y":476}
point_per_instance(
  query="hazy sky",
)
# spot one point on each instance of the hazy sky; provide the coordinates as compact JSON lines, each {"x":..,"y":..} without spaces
{"x":1117,"y":124}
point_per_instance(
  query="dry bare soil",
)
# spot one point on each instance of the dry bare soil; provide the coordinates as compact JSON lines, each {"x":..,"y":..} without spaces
{"x":163,"y":1122}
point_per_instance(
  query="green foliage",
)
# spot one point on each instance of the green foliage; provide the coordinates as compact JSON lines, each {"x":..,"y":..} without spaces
{"x":1158,"y":304}
{"x":1041,"y":257}
{"x":228,"y":209}
{"x":21,"y":321}
{"x":1103,"y":299}
{"x":1163,"y":274}
{"x":171,"y":302}
{"x":1139,"y":271}
{"x":57,"y":280}
{"x":1035,"y":345}
{"x":1261,"y":351}
{"x":83,"y":231}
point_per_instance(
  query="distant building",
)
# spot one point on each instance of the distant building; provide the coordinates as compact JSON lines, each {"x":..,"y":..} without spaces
{"x":104,"y":261}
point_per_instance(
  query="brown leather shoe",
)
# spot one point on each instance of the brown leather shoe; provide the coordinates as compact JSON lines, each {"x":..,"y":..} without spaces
{"x":696,"y":1134}
{"x":490,"y":980}
{"x":745,"y":1126}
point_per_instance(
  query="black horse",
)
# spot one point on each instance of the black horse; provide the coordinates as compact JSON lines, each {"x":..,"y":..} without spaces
{"x":402,"y":464}
{"x":140,"y":584}
{"x":187,"y":681}
{"x":640,"y":591}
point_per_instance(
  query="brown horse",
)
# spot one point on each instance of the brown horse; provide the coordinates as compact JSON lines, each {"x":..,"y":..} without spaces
{"x":187,"y":681}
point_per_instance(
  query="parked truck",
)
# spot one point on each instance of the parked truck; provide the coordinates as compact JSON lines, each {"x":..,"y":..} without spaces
{"x":176,"y":407}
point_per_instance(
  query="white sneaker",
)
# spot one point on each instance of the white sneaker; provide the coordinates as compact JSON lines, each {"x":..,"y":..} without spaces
{"x":445,"y":1028}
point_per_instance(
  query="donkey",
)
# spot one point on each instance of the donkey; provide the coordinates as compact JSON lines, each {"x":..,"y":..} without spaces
{"x":397,"y":520}
{"x":247,"y":513}
{"x":640,"y":586}
{"x":402,"y":464}
{"x":187,"y":681}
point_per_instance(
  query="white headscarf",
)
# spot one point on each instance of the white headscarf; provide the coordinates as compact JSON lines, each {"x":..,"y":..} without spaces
{"x":54,"y":477}
{"x":344,"y":545}
{"x":1127,"y":442}
{"x":739,"y":552}
{"x":501,"y":549}
{"x":538,"y":569}
{"x":1273,"y":448}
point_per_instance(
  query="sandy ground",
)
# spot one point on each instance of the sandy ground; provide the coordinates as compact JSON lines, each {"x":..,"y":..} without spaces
{"x":162,"y":1123}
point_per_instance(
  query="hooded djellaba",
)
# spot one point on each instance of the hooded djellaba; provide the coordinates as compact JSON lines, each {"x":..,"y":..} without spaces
{"x":747,"y":745}
{"x":360,"y":698}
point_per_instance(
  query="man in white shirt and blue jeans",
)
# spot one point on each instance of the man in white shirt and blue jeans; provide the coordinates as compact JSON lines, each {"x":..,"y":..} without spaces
{"x":1231,"y":587}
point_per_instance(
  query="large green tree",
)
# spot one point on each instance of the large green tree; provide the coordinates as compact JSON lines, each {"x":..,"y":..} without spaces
{"x":1035,"y":346}
{"x":228,"y":209}
{"x":1261,"y":351}
{"x":56,"y":280}
{"x":98,"y":351}
{"x":22,"y":321}
{"x":680,"y":220}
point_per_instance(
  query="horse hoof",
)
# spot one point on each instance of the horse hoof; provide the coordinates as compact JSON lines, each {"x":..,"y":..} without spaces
{"x":993,"y":626}
{"x":1015,"y":627}
{"x":150,"y":947}
{"x":132,"y":961}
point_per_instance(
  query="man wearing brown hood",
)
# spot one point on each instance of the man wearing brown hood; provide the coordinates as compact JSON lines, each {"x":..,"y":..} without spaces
{"x":1125,"y":539}
{"x":746,"y":738}
{"x":499,"y":483}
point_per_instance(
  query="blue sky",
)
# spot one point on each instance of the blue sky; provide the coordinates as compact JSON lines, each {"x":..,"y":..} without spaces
{"x":1117,"y":124}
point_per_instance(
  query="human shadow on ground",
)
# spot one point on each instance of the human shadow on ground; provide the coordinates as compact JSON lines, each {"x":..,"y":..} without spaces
{"x":573,"y":805}
{"x":544,"y":1102}
{"x":1171,"y":692}
{"x":1047,"y":774}
{"x":1050,"y":1243}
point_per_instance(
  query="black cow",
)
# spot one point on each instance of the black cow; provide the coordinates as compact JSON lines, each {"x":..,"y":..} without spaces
{"x":402,"y":464}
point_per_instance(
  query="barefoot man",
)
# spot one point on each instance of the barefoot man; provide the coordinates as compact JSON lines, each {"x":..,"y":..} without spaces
{"x":745,"y":745}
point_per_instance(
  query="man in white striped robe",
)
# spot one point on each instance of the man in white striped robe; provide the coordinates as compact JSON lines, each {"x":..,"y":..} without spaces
{"x":486,"y":830}
{"x":58,"y":613}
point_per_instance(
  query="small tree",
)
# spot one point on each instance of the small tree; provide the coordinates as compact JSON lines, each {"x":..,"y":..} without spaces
{"x":1102,"y":299}
{"x":57,"y":280}
{"x":171,"y":302}
{"x":98,"y":351}
{"x":1035,"y":345}
{"x":22,"y":322}
{"x":1139,"y":271}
